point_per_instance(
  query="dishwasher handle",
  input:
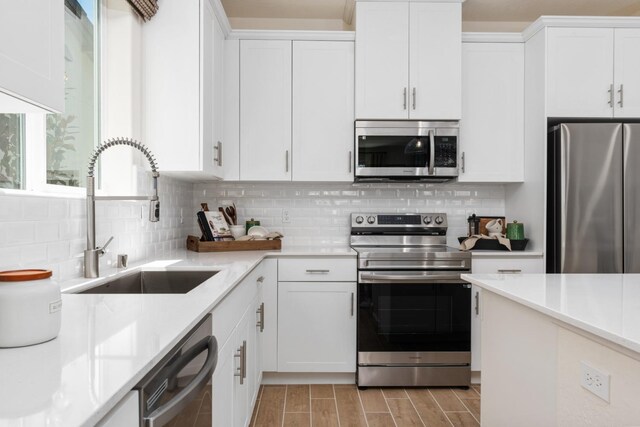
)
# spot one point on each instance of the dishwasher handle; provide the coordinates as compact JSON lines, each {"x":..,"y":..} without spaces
{"x":173,"y":407}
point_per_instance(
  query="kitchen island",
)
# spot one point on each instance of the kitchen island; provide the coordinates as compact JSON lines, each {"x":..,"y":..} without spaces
{"x":108,"y":342}
{"x":539,"y":335}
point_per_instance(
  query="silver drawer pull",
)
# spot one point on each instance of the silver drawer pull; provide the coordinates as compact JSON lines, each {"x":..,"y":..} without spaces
{"x":260,"y":323}
{"x":318,"y":271}
{"x":510,"y":271}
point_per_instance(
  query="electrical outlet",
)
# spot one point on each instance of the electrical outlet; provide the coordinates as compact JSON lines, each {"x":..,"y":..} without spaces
{"x":285,"y":216}
{"x":597,"y":382}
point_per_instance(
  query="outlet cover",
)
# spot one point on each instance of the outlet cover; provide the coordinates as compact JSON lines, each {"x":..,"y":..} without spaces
{"x":285,"y":216}
{"x":594,"y":380}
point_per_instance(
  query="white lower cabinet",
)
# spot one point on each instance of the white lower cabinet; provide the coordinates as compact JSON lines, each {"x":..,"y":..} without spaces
{"x":125,"y":414}
{"x":223,"y":385}
{"x":316,"y":327}
{"x":510,"y":264}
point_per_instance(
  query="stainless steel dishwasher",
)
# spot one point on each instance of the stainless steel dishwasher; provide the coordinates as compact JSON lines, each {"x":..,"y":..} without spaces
{"x":169,"y":393}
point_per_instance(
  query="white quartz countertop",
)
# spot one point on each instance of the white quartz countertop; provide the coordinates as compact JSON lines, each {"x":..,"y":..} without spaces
{"x":606,"y":305}
{"x":107,"y":343}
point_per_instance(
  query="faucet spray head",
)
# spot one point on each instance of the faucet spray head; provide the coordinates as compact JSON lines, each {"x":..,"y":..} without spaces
{"x":154,"y":211}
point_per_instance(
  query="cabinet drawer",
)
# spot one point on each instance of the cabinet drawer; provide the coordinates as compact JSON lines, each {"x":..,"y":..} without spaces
{"x":228,"y":313}
{"x":510,"y":264}
{"x":325,"y":269}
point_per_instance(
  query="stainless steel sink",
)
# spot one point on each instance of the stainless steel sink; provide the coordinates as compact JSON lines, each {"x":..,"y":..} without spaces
{"x":153,"y":282}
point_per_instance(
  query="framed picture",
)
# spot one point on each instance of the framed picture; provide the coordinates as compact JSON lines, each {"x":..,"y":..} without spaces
{"x":485,"y":219}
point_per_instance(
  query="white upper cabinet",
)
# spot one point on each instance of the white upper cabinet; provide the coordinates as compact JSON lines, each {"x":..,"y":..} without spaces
{"x":182,"y":57}
{"x":408,"y":58}
{"x":492,"y":124}
{"x":435,"y":60}
{"x":593,"y":72}
{"x":265,"y":110}
{"x":323,"y":111}
{"x":627,"y":72}
{"x":382,"y":60}
{"x":32,"y":56}
{"x":580,"y":72}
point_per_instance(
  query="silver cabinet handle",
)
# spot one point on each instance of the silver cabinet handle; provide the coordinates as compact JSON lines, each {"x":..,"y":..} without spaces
{"x":477,"y":298}
{"x":462,"y":160}
{"x":260,"y":279}
{"x":218,"y":150}
{"x":162,"y":415}
{"x":241,"y":353}
{"x":318,"y":271}
{"x":404,"y":94}
{"x":286,"y":161}
{"x":352,"y":303}
{"x":260,"y":323}
{"x":432,"y":153}
{"x":414,"y":98}
{"x":621,"y":92}
{"x":510,"y":271}
{"x":350,"y":154}
{"x":610,"y":95}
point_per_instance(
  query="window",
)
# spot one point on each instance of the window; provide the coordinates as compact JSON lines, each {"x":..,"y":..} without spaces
{"x":51,"y":152}
{"x":11,"y":151}
{"x":72,"y":136}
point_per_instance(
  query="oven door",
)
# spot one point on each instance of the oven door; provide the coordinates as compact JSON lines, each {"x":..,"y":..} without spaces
{"x":413,"y":317}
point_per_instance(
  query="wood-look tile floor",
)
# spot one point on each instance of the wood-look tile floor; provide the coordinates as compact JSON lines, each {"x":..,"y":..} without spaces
{"x":322,"y":405}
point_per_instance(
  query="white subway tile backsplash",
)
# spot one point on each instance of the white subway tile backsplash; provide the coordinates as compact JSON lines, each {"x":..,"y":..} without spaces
{"x":319,"y":212}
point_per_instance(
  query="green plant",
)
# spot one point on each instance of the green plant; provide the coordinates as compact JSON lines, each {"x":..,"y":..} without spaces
{"x":59,"y":141}
{"x":10,"y":151}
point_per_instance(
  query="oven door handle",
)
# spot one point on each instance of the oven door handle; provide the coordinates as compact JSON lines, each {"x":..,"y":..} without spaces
{"x":420,"y":278}
{"x":432,"y":151}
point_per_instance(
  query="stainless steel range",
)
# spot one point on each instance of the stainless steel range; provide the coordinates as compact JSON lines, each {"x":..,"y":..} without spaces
{"x":414,"y":311}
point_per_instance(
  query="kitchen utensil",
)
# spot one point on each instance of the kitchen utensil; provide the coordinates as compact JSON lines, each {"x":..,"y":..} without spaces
{"x":225,"y":215}
{"x":238,"y":231}
{"x":251,"y":223}
{"x":515,"y":231}
{"x":30,"y":307}
{"x":231,"y":212}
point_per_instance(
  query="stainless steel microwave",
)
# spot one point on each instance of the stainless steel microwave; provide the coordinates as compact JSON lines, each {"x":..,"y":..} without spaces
{"x":406,"y":150}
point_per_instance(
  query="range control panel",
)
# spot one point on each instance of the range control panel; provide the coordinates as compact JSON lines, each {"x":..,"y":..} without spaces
{"x":398,"y":220}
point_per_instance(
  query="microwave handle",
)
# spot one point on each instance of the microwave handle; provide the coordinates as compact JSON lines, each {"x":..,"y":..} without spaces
{"x":432,"y":151}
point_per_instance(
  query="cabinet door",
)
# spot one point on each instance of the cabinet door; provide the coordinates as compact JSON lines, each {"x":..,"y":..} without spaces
{"x":269,"y":336}
{"x":492,"y":125}
{"x":217,"y":140}
{"x":241,"y":391}
{"x":316,"y":327}
{"x":382,"y":60}
{"x":208,"y":134}
{"x":435,"y":60}
{"x":476,"y":359}
{"x":32,"y":54}
{"x":265,"y":110}
{"x":323,"y":111}
{"x":580,"y":72}
{"x":223,"y":385}
{"x":627,"y":72}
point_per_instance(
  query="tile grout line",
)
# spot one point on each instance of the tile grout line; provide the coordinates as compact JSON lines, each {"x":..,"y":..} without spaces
{"x":335,"y":403}
{"x":366,"y":421}
{"x":416,"y":409}
{"x":389,"y":408}
{"x":439,"y":406}
{"x":468,"y":410}
{"x":284,"y":404}
{"x":257,"y":409}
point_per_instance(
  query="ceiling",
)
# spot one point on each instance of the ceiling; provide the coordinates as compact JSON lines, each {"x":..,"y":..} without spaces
{"x":246,"y":13}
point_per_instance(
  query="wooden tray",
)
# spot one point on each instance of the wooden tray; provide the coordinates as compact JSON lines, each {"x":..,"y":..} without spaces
{"x":194,"y":244}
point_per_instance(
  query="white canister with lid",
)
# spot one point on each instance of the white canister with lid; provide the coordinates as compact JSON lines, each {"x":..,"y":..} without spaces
{"x":30,"y":307}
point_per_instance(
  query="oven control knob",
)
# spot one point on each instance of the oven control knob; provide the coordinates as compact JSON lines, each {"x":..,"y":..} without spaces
{"x":439,"y":220}
{"x":371,"y":219}
{"x":427,"y":220}
{"x":359,"y":219}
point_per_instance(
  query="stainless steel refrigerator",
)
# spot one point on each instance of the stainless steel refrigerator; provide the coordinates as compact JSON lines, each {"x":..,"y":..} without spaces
{"x":593,"y":199}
